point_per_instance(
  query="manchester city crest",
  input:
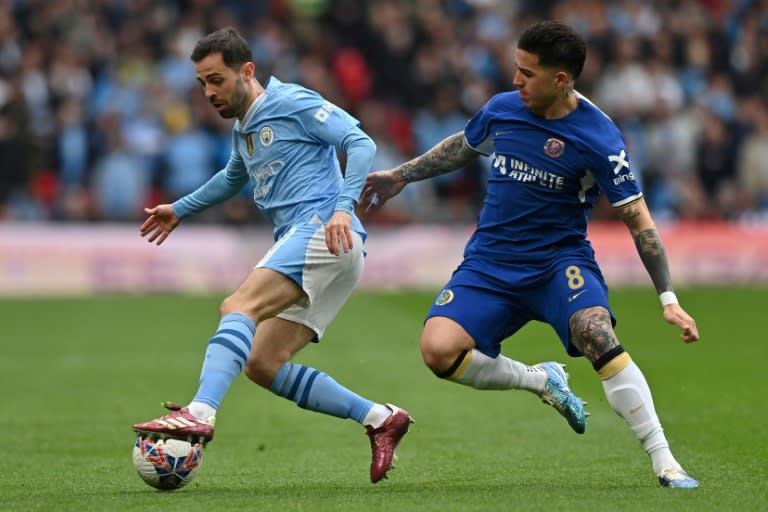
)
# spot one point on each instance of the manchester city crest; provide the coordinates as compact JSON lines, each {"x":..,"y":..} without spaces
{"x":444,"y":297}
{"x":266,"y":136}
{"x":554,"y":147}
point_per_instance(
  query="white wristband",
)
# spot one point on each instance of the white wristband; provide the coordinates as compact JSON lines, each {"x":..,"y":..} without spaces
{"x":668,"y":298}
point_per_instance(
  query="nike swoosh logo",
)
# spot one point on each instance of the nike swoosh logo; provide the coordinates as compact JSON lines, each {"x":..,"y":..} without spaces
{"x":635,"y":409}
{"x":575,"y":296}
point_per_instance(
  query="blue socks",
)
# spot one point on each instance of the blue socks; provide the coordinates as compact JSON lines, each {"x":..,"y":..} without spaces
{"x":225,"y":358}
{"x":311,"y":389}
{"x":314,"y":390}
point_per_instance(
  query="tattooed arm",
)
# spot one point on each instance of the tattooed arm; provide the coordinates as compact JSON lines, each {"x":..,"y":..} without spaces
{"x":648,"y":243}
{"x":446,"y":156}
{"x":450,"y":154}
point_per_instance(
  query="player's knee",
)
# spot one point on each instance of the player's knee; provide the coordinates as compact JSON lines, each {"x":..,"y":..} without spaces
{"x":428,"y":353}
{"x":230,"y":305}
{"x":259,"y":371}
{"x":236,"y":304}
{"x":591,"y":331}
{"x":262,"y":367}
{"x":443,"y":343}
{"x":436,"y":355}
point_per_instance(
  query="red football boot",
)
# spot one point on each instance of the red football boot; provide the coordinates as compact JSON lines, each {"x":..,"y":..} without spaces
{"x":385,"y":439}
{"x":180,"y":424}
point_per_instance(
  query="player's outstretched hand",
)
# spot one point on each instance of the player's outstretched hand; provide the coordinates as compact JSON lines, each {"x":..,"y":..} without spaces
{"x":338,"y":233}
{"x":379,"y":187}
{"x":161,"y":221}
{"x":676,"y":315}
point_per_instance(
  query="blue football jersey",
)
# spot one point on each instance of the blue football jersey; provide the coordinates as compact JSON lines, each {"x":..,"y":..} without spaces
{"x":285,"y":147}
{"x":546,"y":174}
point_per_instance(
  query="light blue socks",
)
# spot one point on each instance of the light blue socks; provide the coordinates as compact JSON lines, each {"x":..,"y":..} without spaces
{"x":225,"y":358}
{"x":314,"y":390}
{"x":311,"y":389}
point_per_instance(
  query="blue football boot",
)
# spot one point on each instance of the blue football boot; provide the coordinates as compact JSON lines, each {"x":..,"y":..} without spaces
{"x":557,"y":394}
{"x":676,"y":478}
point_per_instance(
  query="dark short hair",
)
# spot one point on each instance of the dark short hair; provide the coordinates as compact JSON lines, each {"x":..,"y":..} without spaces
{"x":556,"y":44}
{"x":233,"y":47}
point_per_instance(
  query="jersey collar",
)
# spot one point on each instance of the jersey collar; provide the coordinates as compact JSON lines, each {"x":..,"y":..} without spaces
{"x":249,"y":115}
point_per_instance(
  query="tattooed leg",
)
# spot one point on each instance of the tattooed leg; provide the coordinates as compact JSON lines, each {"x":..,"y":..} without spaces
{"x":624,"y":385}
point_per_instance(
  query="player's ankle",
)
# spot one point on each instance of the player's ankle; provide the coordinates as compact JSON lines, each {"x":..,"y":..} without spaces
{"x":377,"y":416}
{"x":201,"y":411}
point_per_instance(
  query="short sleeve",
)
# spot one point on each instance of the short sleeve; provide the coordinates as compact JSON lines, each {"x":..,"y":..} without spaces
{"x":612,"y":169}
{"x":477,"y":131}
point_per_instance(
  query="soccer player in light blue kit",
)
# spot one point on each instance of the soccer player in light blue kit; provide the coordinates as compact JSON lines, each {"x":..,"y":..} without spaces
{"x":553,"y":151}
{"x":284,"y":144}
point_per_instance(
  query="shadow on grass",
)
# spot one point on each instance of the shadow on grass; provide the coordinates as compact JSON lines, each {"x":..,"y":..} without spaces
{"x":436,"y":487}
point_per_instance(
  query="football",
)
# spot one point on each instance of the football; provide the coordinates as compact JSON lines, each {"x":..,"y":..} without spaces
{"x":166,"y":464}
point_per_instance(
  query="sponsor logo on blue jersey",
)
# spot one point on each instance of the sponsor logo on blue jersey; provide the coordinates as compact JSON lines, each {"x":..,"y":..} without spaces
{"x":521,"y":170}
{"x":621,"y":163}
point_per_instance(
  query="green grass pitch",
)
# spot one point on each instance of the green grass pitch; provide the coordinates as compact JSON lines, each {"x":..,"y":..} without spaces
{"x":75,"y":374}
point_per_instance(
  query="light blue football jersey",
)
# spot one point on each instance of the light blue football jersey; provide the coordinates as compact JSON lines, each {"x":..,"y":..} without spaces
{"x":285,"y":147}
{"x":546,"y":175}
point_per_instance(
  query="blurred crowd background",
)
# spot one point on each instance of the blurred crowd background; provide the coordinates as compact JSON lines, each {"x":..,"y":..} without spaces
{"x":101,"y":115}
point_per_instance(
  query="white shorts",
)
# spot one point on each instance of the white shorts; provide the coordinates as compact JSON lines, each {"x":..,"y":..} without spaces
{"x":328,"y":280}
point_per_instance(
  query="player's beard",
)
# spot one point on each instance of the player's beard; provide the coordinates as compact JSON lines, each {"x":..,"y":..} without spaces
{"x":236,"y":105}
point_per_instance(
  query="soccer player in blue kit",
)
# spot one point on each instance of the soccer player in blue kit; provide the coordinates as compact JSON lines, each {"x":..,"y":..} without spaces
{"x":529,"y":258}
{"x":284,"y":143}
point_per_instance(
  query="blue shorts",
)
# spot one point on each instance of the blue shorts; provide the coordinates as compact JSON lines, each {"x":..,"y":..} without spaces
{"x":491,"y":310}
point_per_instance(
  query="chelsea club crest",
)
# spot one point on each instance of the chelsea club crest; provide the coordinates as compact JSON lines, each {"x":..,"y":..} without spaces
{"x":554,"y":147}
